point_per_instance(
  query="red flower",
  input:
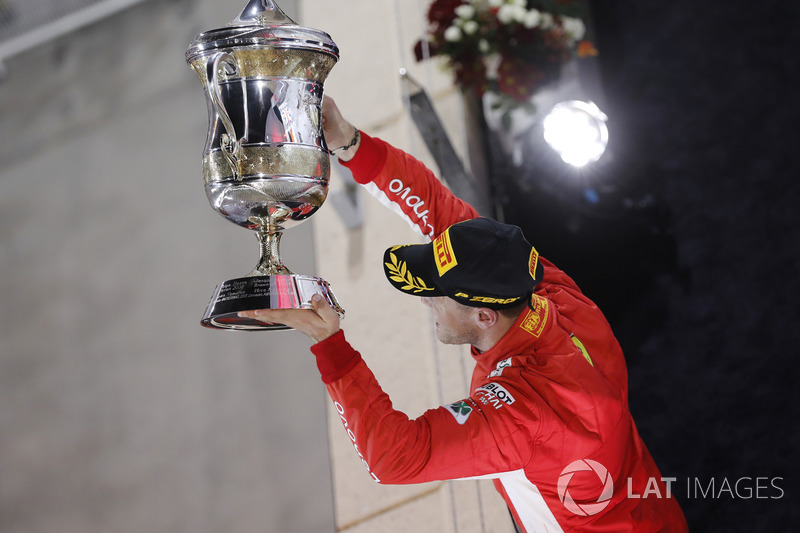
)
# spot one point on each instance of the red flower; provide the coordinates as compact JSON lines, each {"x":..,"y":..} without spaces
{"x":519,"y":79}
{"x":442,"y":12}
{"x":472,"y":76}
{"x":434,"y":48}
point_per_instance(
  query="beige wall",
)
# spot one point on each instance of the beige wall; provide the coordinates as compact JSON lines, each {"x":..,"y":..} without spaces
{"x":118,"y":412}
{"x":393,"y":331}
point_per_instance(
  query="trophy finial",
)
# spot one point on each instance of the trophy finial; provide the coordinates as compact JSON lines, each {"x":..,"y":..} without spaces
{"x":261,"y":13}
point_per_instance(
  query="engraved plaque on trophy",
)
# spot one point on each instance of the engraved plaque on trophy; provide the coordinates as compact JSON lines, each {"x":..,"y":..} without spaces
{"x":265,"y":164}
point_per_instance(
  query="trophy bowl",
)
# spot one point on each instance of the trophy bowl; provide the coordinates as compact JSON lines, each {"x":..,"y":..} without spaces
{"x":266,"y":165}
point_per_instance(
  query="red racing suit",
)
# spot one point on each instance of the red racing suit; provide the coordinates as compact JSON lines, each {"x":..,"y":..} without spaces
{"x":548,"y":415}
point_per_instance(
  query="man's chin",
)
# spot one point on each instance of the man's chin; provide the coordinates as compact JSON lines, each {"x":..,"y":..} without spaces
{"x":442,"y":338}
{"x":447,"y":339}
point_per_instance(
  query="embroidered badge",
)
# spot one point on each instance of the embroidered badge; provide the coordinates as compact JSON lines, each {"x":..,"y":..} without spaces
{"x":400,"y":274}
{"x":443,"y":253}
{"x":498,"y":371}
{"x":577,"y":342}
{"x":494,"y":394}
{"x":460,"y":411}
{"x":536,"y":318}
{"x":533,"y":262}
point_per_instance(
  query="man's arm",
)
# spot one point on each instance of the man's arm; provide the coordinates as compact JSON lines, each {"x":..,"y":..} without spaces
{"x":478,"y":436}
{"x":342,"y":138}
{"x":396,"y":179}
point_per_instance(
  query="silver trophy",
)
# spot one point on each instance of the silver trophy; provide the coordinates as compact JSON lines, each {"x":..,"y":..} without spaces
{"x":265,"y":163}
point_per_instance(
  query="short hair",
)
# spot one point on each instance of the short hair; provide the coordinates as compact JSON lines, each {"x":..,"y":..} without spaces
{"x":514,"y":311}
{"x":507,"y":312}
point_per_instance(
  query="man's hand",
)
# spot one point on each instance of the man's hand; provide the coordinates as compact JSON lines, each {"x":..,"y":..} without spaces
{"x":318,"y":323}
{"x":338,"y":132}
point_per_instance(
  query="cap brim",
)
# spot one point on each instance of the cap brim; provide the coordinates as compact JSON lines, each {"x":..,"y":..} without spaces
{"x":410,"y":269}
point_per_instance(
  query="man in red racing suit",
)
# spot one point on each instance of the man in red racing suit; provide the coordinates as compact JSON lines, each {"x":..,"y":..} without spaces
{"x":548,"y":416}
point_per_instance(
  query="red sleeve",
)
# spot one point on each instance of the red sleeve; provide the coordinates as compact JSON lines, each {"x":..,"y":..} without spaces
{"x":408,"y":187}
{"x":483,"y":434}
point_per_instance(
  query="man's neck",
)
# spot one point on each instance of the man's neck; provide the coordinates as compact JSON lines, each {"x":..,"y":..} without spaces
{"x":492,"y":336}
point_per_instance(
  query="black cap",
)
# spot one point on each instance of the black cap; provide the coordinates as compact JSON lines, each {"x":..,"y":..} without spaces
{"x":478,"y":262}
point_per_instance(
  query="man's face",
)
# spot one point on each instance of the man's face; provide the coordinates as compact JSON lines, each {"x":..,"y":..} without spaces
{"x":455,"y":323}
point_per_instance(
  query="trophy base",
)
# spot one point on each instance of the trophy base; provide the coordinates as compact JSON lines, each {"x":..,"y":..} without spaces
{"x":278,"y":291}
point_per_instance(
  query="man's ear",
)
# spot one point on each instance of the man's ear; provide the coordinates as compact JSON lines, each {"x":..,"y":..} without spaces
{"x":486,"y":318}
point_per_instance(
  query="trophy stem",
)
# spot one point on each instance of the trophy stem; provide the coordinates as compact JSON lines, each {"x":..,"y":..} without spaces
{"x":269,"y":263}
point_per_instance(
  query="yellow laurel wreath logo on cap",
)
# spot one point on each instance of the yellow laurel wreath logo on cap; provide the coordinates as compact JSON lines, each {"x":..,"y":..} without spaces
{"x":400,"y":274}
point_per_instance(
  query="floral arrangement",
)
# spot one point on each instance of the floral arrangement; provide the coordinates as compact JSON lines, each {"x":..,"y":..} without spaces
{"x":508,"y":47}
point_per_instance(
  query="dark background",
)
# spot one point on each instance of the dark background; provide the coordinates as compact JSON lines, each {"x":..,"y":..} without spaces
{"x":689,"y":241}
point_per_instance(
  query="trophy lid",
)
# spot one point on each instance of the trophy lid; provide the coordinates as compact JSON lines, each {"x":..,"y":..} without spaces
{"x":263,"y":23}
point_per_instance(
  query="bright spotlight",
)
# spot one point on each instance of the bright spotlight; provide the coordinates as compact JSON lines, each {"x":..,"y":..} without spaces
{"x":577,"y":131}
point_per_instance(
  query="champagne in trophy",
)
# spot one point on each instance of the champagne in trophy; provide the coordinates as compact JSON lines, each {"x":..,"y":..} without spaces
{"x":265,"y":165}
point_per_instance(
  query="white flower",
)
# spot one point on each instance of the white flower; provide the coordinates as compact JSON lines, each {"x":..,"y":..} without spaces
{"x":574,"y":27}
{"x":483,"y":46}
{"x":532,"y":18}
{"x":505,"y":15}
{"x":496,"y":3}
{"x":547,"y":21}
{"x":508,"y":13}
{"x":470,"y":27}
{"x":465,"y":11}
{"x":452,"y":34}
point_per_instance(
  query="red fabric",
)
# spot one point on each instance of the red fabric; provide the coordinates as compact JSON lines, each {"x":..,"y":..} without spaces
{"x":335,"y":357}
{"x":390,"y":174}
{"x":538,"y":404}
{"x":368,"y":162}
